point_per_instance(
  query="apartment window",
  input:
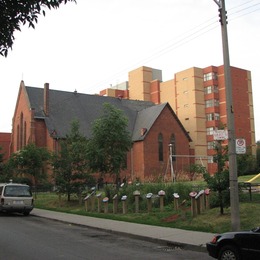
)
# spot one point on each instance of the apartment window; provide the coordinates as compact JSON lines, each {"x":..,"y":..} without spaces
{"x":210,"y":130}
{"x":209,"y":103}
{"x":211,"y":145}
{"x":211,"y":89}
{"x":212,"y":103}
{"x":210,"y":76}
{"x":210,"y":159}
{"x":160,"y":147}
{"x":212,"y":116}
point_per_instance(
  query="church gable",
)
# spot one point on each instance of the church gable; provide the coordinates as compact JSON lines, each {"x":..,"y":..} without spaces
{"x":44,"y":116}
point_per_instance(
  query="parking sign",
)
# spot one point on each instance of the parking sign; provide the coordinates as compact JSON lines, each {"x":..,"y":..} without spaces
{"x":240,"y":146}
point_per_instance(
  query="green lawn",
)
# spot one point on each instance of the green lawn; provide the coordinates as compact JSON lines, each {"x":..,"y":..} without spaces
{"x":207,"y":221}
{"x":246,"y":178}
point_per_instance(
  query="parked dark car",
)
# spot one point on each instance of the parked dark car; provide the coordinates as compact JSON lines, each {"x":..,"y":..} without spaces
{"x":236,"y":245}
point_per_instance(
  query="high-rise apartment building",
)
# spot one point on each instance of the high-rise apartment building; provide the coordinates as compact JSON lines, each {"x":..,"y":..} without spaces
{"x":198,"y":97}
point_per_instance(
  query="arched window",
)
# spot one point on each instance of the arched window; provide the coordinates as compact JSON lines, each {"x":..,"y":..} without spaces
{"x":18,"y":138}
{"x":24,"y":134}
{"x":160,"y":147}
{"x":173,"y":143}
{"x":21,"y":131}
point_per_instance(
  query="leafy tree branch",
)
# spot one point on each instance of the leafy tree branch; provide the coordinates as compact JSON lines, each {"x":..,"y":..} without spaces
{"x":16,"y":13}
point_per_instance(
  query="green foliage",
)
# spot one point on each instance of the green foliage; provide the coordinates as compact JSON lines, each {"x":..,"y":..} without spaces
{"x":1,"y":155}
{"x":70,"y":164}
{"x":246,"y":164}
{"x":258,"y":156}
{"x":182,"y":188}
{"x":221,"y":155}
{"x":110,"y":142}
{"x":219,"y":182}
{"x":6,"y":172}
{"x":9,"y":172}
{"x":220,"y":201}
{"x":195,"y":169}
{"x":30,"y":162}
{"x":208,"y":221}
{"x":1,"y":162}
{"x":17,"y":13}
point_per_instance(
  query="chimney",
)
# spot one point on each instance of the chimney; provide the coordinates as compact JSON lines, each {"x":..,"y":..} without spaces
{"x":143,"y":131}
{"x":46,"y":99}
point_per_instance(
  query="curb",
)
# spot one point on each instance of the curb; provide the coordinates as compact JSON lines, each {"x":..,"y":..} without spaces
{"x":164,"y":242}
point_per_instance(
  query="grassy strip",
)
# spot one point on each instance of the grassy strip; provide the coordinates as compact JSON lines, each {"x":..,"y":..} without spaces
{"x":207,"y":221}
{"x":246,"y":178}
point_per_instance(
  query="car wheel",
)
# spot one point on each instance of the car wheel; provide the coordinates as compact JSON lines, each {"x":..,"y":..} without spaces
{"x":228,"y":253}
{"x":26,"y":213}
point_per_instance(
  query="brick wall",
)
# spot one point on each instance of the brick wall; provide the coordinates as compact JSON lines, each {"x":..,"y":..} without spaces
{"x":21,"y":132}
{"x":146,"y":157}
{"x":5,"y":142}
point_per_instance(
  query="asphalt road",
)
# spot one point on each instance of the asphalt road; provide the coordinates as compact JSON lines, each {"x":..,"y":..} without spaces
{"x":34,"y":238}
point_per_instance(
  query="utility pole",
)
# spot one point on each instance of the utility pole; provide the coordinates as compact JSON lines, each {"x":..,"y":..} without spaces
{"x":234,"y":199}
{"x":170,"y":157}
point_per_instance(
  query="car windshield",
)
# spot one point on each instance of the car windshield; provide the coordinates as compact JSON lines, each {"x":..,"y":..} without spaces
{"x":17,"y":191}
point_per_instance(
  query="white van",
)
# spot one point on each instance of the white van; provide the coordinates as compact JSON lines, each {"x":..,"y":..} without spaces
{"x":16,"y":197}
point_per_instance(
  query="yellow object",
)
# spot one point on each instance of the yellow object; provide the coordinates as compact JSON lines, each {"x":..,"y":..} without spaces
{"x":258,"y":175}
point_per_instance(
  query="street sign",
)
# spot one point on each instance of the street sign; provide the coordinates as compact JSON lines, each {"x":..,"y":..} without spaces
{"x":240,"y":146}
{"x":220,"y":135}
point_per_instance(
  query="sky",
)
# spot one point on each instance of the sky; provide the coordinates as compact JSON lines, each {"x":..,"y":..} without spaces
{"x":93,"y":44}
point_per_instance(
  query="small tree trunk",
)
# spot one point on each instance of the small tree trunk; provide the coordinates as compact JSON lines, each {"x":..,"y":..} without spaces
{"x":221,"y":203}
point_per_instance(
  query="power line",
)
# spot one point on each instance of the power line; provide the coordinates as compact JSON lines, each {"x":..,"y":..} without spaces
{"x":246,"y":8}
{"x":237,"y":6}
{"x":183,"y":39}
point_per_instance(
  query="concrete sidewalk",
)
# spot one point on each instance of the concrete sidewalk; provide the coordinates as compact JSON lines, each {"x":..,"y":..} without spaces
{"x":191,"y":240}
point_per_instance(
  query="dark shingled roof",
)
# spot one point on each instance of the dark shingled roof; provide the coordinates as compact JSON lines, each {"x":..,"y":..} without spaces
{"x":145,"y":119}
{"x":64,"y":107}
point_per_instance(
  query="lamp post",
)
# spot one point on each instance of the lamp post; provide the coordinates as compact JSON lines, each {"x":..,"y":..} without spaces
{"x":234,"y":199}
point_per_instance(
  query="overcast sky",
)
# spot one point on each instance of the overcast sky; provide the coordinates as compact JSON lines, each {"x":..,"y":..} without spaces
{"x":89,"y":45}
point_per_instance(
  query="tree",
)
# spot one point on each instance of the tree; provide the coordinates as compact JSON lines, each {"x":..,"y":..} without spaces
{"x":6,"y":172}
{"x":70,"y":164}
{"x":30,"y":161}
{"x":1,"y":155}
{"x":219,"y":182}
{"x":258,"y":155}
{"x":246,"y":164}
{"x":1,"y":162}
{"x":194,"y":169}
{"x":19,"y":12}
{"x":110,"y":142}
